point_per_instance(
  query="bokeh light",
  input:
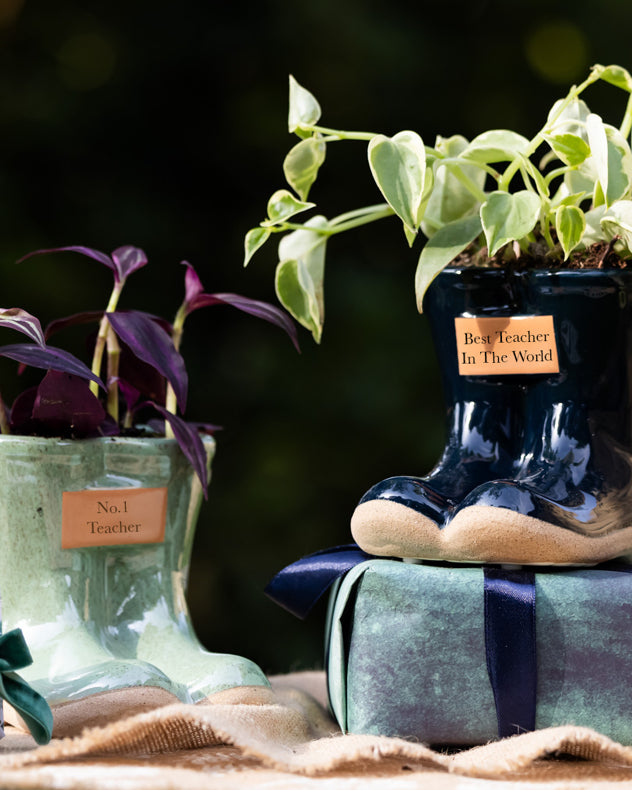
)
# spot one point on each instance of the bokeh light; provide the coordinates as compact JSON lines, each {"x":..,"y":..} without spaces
{"x":86,"y":60}
{"x":558,"y":51}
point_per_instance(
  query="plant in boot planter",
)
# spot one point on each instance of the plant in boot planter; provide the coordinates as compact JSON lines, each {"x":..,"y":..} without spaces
{"x":526,"y":280}
{"x":101,"y":480}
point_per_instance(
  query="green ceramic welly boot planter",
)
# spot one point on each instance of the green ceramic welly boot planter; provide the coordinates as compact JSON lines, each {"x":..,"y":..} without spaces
{"x":145,"y":615}
{"x":47,"y":591}
{"x":95,"y":539}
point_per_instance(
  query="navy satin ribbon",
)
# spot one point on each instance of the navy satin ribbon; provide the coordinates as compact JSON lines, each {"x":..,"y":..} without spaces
{"x":299,"y":586}
{"x":510,"y":647}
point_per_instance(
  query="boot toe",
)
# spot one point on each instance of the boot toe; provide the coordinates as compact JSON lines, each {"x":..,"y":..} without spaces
{"x":401,"y":517}
{"x":510,"y":522}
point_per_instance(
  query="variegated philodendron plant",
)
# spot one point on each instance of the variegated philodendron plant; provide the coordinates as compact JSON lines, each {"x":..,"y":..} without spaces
{"x":566,"y":189}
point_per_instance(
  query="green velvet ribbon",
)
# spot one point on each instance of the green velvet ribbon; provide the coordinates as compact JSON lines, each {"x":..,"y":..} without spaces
{"x":32,"y":707}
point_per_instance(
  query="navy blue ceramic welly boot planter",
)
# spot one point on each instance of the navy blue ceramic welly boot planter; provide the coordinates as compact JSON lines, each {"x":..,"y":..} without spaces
{"x":570,"y":501}
{"x":501,"y":200}
{"x":568,"y":497}
{"x":402,"y":516}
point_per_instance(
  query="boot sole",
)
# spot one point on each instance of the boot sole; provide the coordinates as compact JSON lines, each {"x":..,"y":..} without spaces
{"x":480,"y":534}
{"x":97,"y":710}
{"x":241,"y":695}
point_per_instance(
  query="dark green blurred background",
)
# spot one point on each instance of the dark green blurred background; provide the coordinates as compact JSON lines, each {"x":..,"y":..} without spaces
{"x":163,"y":125}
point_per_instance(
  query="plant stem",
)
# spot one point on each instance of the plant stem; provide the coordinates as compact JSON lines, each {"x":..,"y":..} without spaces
{"x":513,"y":166}
{"x":171,"y":403}
{"x":104,"y":328}
{"x":4,"y":423}
{"x":363,"y":219}
{"x":530,"y":171}
{"x":471,"y":187}
{"x":559,"y":171}
{"x":546,"y":232}
{"x":359,"y":212}
{"x":334,"y":135}
{"x":626,"y":125}
{"x":337,"y":134}
{"x":340,"y":224}
{"x":114,"y":356}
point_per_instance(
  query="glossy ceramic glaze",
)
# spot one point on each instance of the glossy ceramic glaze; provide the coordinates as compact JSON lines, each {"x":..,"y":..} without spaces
{"x":145,"y":614}
{"x":483,"y":413}
{"x":575,"y":468}
{"x":103,"y":618}
{"x":47,"y":592}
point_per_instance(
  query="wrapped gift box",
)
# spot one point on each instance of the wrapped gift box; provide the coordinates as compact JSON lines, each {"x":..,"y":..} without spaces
{"x":462,"y":655}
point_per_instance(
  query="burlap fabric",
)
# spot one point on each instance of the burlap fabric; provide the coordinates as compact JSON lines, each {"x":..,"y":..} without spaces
{"x":293,"y":742}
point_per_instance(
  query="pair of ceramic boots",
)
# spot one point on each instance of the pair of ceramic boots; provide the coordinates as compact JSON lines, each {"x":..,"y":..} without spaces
{"x":537,"y":468}
{"x":107,"y":625}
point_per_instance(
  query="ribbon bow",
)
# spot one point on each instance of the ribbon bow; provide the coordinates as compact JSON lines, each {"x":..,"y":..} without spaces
{"x":32,"y":707}
{"x":509,"y":624}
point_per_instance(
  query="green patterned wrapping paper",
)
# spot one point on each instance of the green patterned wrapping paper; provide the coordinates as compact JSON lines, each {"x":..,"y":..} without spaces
{"x":406,"y":652}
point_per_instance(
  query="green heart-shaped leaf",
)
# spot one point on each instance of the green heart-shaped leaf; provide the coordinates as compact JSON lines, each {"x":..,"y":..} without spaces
{"x":302,"y":163}
{"x":398,"y":165}
{"x":304,"y":109}
{"x":619,"y":166}
{"x":295,"y":290}
{"x":617,"y":222}
{"x":283,"y":205}
{"x":450,"y":198}
{"x":568,"y":118}
{"x":509,"y":217}
{"x":570,"y":148}
{"x":300,"y":275}
{"x":497,"y":145}
{"x":443,"y":247}
{"x":611,"y":159}
{"x":598,"y":148}
{"x":255,"y":238}
{"x":615,"y":75}
{"x":570,"y":224}
{"x":593,"y":232}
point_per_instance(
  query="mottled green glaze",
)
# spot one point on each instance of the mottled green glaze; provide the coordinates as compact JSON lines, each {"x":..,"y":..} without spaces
{"x":102,"y":618}
{"x":47,"y":591}
{"x":145,"y":614}
{"x":407,"y":652}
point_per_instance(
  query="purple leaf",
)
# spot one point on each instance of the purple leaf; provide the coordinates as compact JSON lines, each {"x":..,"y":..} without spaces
{"x":109,"y":427}
{"x":130,"y":394}
{"x":88,"y":317}
{"x":140,"y":376}
{"x":192,"y":283}
{"x":65,"y":405}
{"x":127,"y":260}
{"x":195,"y":298}
{"x":49,"y":358}
{"x":20,"y":320}
{"x":122,"y":262}
{"x":207,"y":427}
{"x":22,"y":411}
{"x":191,"y":444}
{"x":262,"y":310}
{"x":98,"y":256}
{"x":150,"y":343}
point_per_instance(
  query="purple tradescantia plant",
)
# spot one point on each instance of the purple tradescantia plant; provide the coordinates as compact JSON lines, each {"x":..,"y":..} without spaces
{"x":143,"y":369}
